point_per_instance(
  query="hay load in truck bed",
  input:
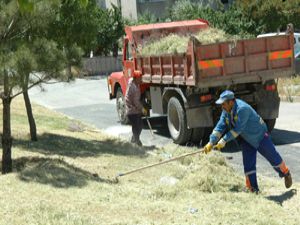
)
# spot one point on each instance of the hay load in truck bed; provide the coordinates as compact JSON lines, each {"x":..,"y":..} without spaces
{"x":174,"y":43}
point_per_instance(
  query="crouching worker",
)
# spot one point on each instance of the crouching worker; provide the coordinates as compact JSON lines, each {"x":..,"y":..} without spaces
{"x":134,"y":107}
{"x":240,"y":119}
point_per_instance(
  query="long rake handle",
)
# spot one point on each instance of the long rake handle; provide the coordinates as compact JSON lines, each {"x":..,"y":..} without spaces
{"x":160,"y":163}
{"x":149,"y":125}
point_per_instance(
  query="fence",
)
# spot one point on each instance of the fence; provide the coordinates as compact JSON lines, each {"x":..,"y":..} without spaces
{"x":102,"y":65}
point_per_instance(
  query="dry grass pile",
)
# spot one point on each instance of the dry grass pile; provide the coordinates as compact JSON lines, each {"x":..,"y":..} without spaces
{"x":174,"y":43}
{"x":205,"y":173}
{"x":213,"y":35}
{"x":211,"y":174}
{"x":167,"y":45}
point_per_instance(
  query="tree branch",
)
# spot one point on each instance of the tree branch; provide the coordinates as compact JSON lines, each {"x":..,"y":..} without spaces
{"x":32,"y":85}
{"x":10,"y":26}
{"x":40,"y":81}
{"x":8,"y":29}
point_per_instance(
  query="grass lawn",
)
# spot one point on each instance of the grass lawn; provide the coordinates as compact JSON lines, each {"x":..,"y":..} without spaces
{"x":67,"y":178}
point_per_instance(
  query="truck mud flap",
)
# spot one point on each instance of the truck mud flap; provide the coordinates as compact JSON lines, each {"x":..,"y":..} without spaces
{"x":268,"y":104}
{"x":199,"y":117}
{"x":297,"y":65}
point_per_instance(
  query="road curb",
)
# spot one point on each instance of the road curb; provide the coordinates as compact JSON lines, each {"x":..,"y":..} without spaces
{"x":290,"y":99}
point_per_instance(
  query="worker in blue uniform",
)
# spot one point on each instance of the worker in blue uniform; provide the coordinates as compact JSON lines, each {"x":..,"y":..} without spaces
{"x":240,"y":119}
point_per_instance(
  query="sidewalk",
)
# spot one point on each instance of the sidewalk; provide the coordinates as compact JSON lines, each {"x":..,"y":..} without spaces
{"x":284,"y":98}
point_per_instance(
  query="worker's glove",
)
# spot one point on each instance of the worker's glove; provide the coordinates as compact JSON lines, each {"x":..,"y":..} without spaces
{"x":208,"y":147}
{"x":221,"y":144}
{"x":145,"y":111}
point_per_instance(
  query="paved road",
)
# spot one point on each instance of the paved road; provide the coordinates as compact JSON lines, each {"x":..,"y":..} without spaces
{"x":87,"y":100}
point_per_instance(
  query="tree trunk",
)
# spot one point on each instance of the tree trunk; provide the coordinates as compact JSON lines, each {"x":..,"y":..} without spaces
{"x":31,"y":120}
{"x":69,"y":68}
{"x":6,"y":136}
{"x":115,"y":50}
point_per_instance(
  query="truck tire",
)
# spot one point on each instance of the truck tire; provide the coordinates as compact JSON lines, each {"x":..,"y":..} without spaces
{"x":121,"y":109}
{"x":270,"y":124}
{"x":177,"y":122}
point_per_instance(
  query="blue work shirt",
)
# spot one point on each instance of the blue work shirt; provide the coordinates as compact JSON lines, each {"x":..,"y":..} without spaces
{"x":243,"y":121}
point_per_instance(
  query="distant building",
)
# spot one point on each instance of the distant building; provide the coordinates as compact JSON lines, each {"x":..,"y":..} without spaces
{"x":131,"y":9}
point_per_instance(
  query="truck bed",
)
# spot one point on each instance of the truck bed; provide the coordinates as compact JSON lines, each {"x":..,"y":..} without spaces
{"x":226,"y":63}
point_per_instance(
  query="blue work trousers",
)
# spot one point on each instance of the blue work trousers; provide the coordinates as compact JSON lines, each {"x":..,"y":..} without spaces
{"x":267,"y":149}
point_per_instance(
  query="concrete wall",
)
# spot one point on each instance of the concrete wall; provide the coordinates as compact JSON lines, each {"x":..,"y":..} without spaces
{"x":108,"y":3}
{"x":101,"y":65}
{"x":214,"y":4}
{"x":129,"y":9}
{"x":158,"y":8}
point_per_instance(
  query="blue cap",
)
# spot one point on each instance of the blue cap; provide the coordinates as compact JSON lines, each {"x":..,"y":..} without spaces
{"x":224,"y":96}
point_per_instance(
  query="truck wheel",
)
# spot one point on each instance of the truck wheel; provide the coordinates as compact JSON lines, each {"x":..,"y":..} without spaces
{"x":270,"y":124}
{"x":177,"y":122}
{"x":121,"y":109}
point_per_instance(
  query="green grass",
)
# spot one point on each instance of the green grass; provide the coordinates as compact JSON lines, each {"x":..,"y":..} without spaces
{"x":67,"y":177}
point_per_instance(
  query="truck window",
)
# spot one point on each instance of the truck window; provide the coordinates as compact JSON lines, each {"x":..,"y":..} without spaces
{"x":128,"y":52}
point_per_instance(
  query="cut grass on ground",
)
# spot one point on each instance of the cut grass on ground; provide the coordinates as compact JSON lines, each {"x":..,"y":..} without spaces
{"x":66,"y":178}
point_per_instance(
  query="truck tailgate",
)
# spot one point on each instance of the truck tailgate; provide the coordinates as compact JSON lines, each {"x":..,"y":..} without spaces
{"x":243,"y":61}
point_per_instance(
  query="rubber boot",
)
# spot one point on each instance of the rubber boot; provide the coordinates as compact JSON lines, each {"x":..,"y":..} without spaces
{"x":288,"y":180}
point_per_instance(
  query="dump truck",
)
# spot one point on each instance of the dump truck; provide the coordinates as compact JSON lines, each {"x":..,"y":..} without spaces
{"x":184,"y":86}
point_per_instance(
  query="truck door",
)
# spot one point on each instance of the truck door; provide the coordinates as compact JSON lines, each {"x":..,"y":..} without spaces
{"x":128,"y":67}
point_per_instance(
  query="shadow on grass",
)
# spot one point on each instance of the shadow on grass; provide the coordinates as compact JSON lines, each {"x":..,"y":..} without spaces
{"x":283,"y":197}
{"x":49,"y":144}
{"x":55,"y":172}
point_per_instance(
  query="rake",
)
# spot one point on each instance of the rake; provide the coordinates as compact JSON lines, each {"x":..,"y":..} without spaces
{"x":157,"y":164}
